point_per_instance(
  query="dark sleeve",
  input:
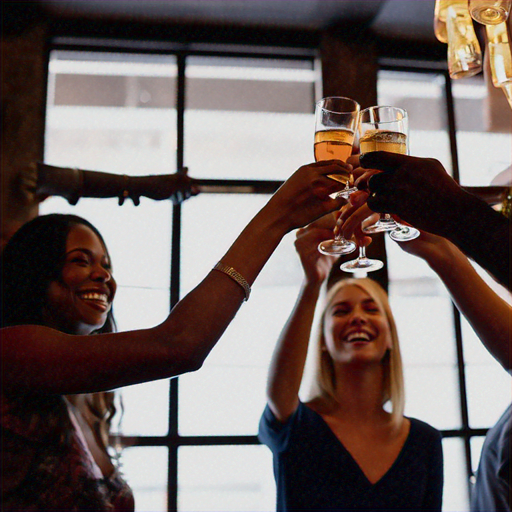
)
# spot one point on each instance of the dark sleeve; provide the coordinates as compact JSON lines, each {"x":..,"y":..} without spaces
{"x":504,"y":453}
{"x":434,"y":495}
{"x":273,"y":433}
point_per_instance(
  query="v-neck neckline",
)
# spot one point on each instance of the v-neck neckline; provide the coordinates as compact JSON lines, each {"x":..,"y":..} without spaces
{"x":353,"y":460}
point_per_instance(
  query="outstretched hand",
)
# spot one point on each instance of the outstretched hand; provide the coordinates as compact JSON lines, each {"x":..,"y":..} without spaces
{"x":177,"y":187}
{"x":418,"y":190}
{"x":305,"y":196}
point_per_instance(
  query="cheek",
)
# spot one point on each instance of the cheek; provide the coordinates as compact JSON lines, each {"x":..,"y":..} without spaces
{"x":328,"y":331}
{"x":72,"y":279}
{"x":59,"y":296}
{"x":387,"y":335}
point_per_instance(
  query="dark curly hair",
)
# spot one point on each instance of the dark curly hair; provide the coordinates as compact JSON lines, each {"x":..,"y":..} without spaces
{"x":30,"y":261}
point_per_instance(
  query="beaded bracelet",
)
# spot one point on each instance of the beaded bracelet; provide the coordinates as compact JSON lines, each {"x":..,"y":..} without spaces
{"x":236,"y":276}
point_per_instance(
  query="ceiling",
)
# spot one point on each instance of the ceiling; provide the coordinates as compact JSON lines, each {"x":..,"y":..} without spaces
{"x":412,"y":18}
{"x":409,"y":20}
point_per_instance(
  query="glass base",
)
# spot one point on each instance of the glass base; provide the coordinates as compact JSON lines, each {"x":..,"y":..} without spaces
{"x":365,"y":264}
{"x":336,"y":247}
{"x":404,"y":233}
{"x":380,"y":226}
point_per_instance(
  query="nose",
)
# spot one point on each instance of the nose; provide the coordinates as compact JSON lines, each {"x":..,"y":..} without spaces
{"x":358,"y":317}
{"x":100,"y":273}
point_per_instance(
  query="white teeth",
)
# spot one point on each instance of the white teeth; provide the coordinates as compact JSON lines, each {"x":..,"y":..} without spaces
{"x":95,"y":296}
{"x":358,"y":336}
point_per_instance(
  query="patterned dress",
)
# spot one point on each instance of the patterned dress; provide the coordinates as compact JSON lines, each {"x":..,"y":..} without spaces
{"x":47,"y":465}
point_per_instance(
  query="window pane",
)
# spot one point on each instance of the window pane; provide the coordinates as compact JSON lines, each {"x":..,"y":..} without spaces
{"x":146,"y":409}
{"x":422,"y":95}
{"x":417,"y":297}
{"x":482,"y":154}
{"x":115,"y":113}
{"x":432,"y":396}
{"x":145,"y":470}
{"x":248,"y":118}
{"x":455,"y":494}
{"x":215,"y":399}
{"x":225,"y":478}
{"x":483,"y":411}
{"x":477,"y":444}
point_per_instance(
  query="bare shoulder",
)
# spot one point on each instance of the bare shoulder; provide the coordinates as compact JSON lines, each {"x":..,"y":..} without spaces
{"x":320,"y":406}
{"x":18,"y":333}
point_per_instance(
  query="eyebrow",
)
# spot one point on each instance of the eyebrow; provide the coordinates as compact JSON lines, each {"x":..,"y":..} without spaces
{"x":87,"y":251}
{"x":365,"y":301}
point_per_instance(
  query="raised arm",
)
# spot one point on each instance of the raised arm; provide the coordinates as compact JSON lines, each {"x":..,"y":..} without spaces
{"x":489,"y":315}
{"x":39,"y":358}
{"x":287,"y":365}
{"x":422,"y":193}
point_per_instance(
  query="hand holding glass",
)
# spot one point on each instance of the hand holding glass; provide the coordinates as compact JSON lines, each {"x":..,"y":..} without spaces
{"x":336,"y":120}
{"x":382,"y":129}
{"x":386,"y":129}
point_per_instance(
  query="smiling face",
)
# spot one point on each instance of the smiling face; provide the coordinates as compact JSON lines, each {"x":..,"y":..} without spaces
{"x":79,"y":302}
{"x":356,"y":328}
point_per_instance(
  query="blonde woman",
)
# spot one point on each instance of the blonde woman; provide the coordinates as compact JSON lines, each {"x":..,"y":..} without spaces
{"x":344,"y":449}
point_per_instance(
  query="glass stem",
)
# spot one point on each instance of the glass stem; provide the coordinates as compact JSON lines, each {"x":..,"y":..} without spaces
{"x":362,"y":252}
{"x":339,"y":240}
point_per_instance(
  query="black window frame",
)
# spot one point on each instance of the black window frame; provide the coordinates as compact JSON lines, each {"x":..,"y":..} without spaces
{"x":173,"y":440}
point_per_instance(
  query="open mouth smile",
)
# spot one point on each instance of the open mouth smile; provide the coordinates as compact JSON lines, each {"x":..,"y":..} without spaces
{"x":98,"y":300}
{"x":358,"y":337}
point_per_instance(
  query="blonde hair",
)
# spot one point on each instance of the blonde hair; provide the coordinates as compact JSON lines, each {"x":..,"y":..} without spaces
{"x":323,"y":380}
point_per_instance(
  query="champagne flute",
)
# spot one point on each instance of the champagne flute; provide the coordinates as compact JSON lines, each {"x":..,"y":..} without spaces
{"x":336,"y":121}
{"x":386,"y":129}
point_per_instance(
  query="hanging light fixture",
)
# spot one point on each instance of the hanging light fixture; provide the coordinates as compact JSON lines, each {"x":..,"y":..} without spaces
{"x":453,"y":25}
{"x":500,"y":58}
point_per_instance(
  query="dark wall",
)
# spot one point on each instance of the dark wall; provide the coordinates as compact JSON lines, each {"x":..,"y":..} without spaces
{"x":24,"y":71}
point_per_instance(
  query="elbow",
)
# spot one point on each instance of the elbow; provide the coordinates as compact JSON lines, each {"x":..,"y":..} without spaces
{"x":194,"y":363}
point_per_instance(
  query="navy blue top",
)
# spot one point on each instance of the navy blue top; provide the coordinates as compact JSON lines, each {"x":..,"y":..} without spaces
{"x":314,"y":471}
{"x":492,"y":489}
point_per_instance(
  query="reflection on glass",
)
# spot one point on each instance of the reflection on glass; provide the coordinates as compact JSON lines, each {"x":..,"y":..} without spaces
{"x":489,"y":12}
{"x":441,"y":6}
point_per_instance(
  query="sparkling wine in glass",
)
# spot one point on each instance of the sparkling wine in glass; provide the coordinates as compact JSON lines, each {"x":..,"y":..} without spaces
{"x":336,"y":121}
{"x":386,"y":129}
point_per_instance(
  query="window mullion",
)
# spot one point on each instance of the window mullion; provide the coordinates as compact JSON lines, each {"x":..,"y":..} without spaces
{"x":172,"y":482}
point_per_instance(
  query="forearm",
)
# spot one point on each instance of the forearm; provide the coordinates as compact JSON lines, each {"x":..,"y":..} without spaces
{"x":289,"y":358}
{"x":201,"y":317}
{"x":481,"y":233}
{"x":487,"y":313}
